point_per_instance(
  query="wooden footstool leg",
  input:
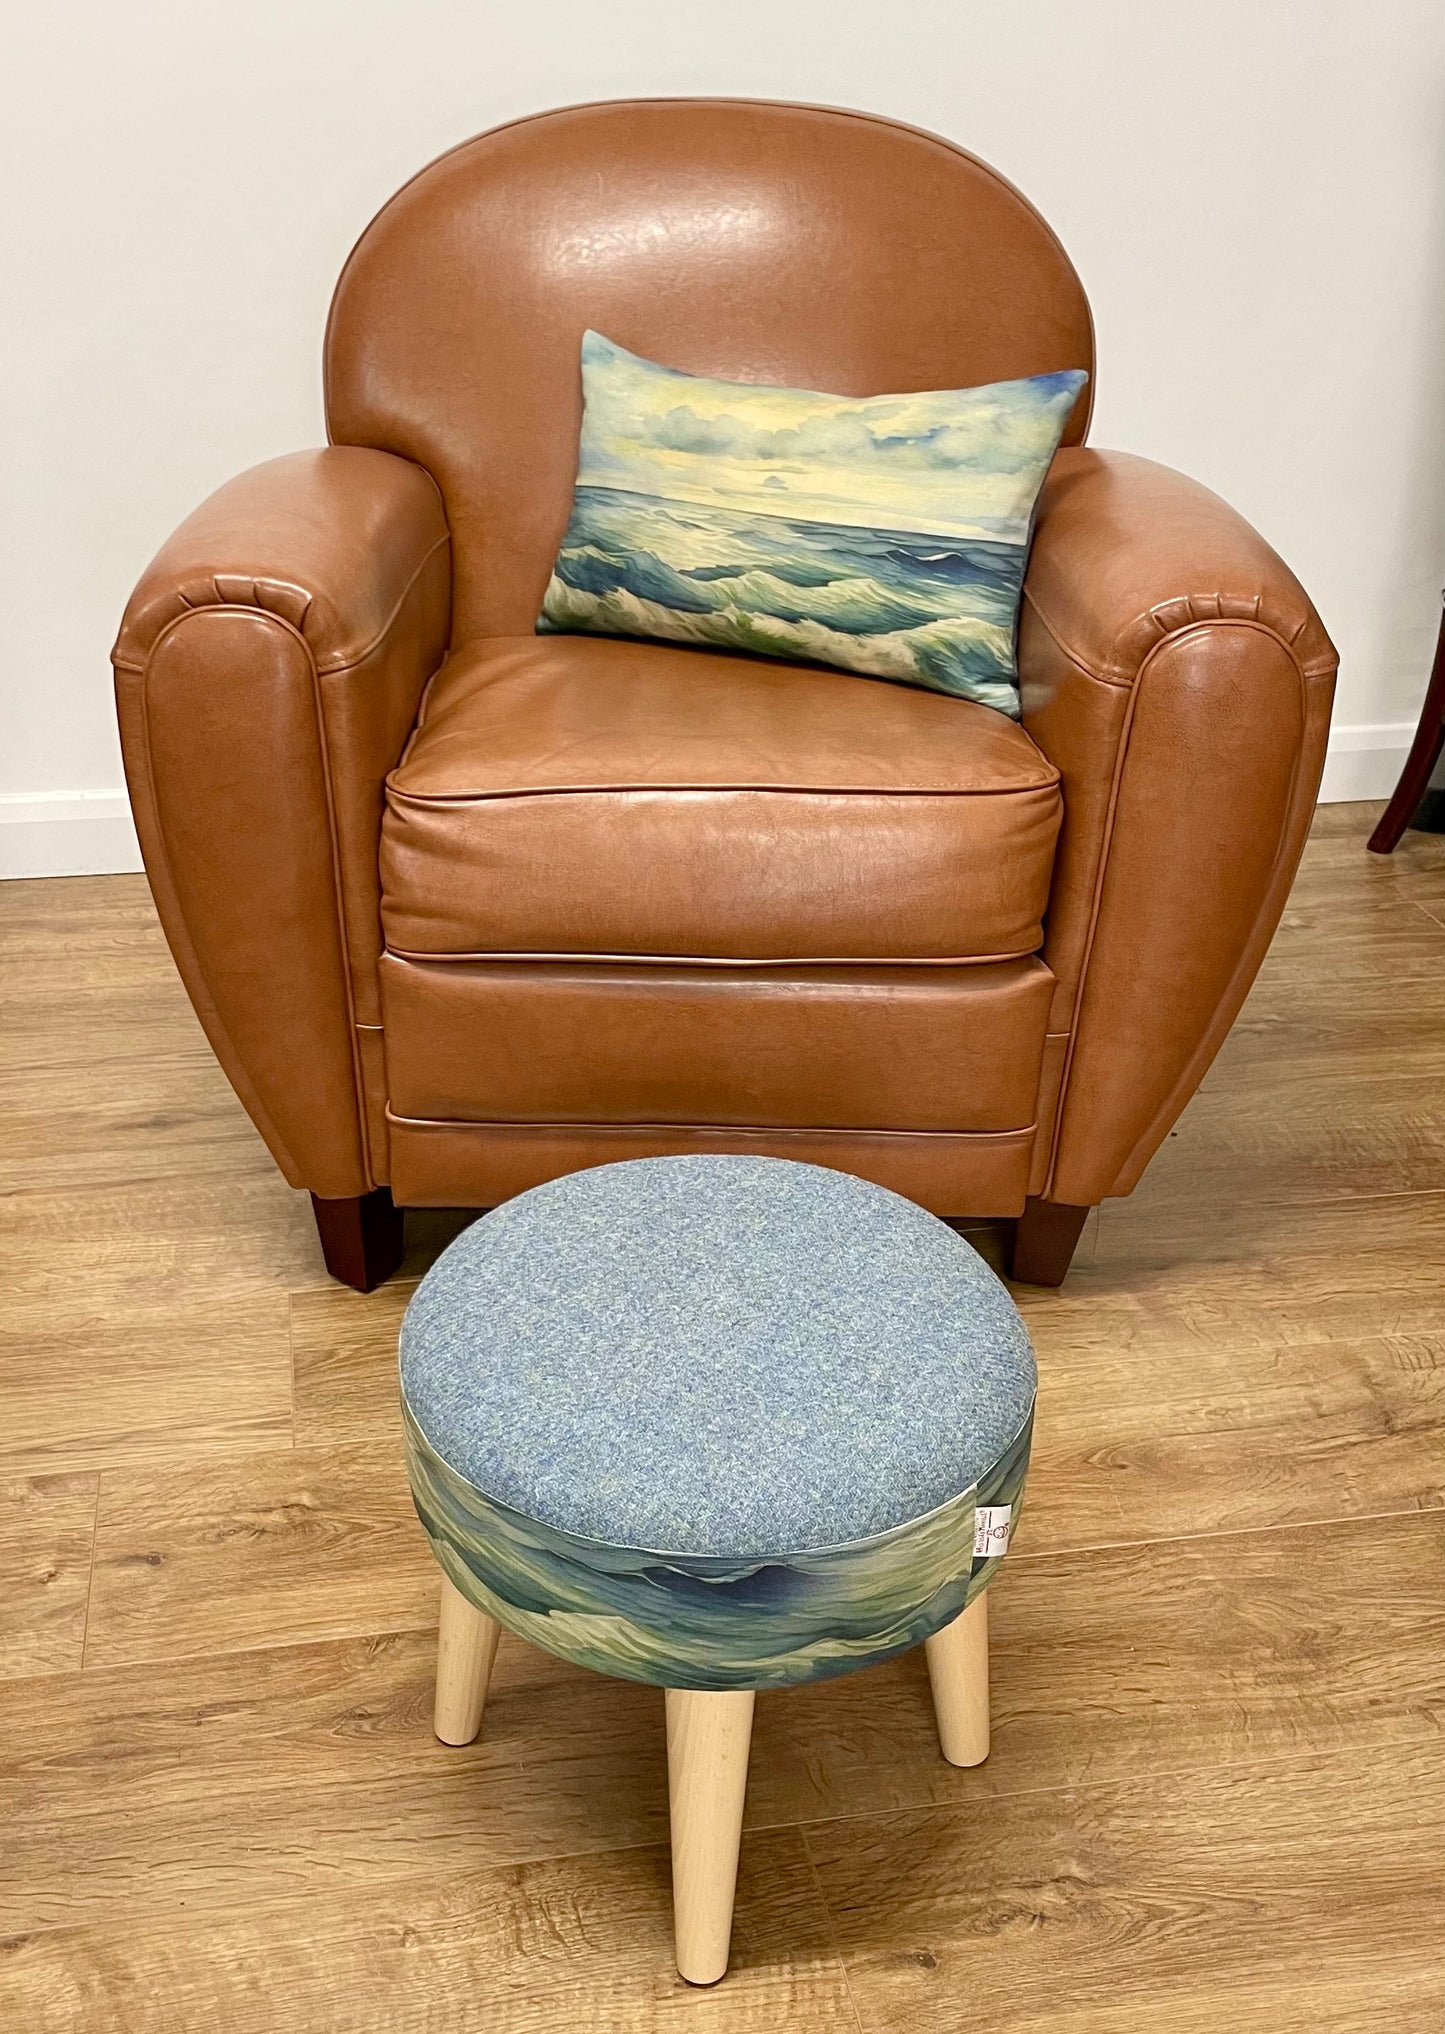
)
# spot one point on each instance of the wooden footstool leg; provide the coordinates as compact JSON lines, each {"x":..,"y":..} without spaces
{"x":707,"y":1773}
{"x":466,"y":1648}
{"x":958,"y":1670}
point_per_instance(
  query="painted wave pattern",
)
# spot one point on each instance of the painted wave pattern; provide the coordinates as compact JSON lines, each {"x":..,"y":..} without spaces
{"x":928,"y":610}
{"x":699,"y":1621}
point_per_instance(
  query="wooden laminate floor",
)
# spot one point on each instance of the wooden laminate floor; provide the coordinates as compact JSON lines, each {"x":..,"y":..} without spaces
{"x":1217,"y":1794}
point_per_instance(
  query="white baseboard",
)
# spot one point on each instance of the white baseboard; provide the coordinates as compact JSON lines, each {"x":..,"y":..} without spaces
{"x":67,"y":833}
{"x":89,"y":833}
{"x":1365,"y":762}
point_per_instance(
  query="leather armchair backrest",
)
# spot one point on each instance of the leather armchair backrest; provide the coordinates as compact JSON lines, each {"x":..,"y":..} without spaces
{"x":770,"y":243}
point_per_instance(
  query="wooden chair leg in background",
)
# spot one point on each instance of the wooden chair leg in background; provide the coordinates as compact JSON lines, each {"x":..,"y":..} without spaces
{"x":466,"y":1648}
{"x":1045,"y":1238}
{"x":958,"y":1671}
{"x":1420,"y":764}
{"x":361,"y":1238}
{"x":708,"y":1735}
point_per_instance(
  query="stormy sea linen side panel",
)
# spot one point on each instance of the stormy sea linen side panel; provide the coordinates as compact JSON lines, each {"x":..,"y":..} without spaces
{"x":683,"y":1620}
{"x":887,"y":535}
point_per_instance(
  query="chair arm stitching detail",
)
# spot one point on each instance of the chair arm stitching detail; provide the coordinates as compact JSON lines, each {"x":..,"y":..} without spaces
{"x":165,"y":854}
{"x":338,"y":896}
{"x":294,"y":619}
{"x":1119,"y":672}
{"x":358,"y":1072}
{"x":1305,"y":684}
{"x":360,"y":656}
{"x":1121,"y":759}
{"x":1095,"y":906}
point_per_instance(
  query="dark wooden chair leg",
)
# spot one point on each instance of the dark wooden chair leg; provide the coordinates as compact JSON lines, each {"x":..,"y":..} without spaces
{"x":1044,"y":1242}
{"x":1419,"y":764}
{"x":361,"y":1238}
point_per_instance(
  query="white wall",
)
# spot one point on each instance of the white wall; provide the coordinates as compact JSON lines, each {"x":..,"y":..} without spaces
{"x":1253,"y":191}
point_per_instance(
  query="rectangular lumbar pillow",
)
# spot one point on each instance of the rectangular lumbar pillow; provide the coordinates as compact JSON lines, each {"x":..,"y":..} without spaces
{"x":885,"y":534}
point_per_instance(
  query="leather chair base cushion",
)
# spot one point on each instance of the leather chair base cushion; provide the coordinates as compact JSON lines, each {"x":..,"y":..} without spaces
{"x":577,"y":796}
{"x":479,"y":1165}
{"x":920,"y":1048}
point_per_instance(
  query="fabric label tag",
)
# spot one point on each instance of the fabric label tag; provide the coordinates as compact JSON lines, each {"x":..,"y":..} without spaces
{"x":990,"y":1530}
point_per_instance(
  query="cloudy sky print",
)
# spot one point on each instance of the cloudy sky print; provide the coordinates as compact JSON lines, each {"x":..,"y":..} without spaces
{"x":887,"y":535}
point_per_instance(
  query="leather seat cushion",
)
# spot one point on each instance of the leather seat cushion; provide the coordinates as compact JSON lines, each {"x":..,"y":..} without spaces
{"x":570,"y":796}
{"x":935,"y":1049}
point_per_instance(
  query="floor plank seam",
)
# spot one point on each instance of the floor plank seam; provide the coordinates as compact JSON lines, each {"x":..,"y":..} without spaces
{"x":931,"y":1805}
{"x":1249,"y":1532}
{"x":90,"y":1573}
{"x":388,"y":1882}
{"x":291,"y":1364}
{"x":1422,"y":1513}
{"x":140,"y":1183}
{"x":1134,"y":1206}
{"x":143,"y":1663}
{"x":831,"y":1920}
{"x":801,"y":1825}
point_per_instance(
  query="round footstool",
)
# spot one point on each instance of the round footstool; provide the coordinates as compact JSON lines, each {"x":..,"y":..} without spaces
{"x":718,"y":1424}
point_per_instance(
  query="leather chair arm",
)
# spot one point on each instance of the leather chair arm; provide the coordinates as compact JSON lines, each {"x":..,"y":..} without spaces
{"x":329,"y":541}
{"x":268,"y":673}
{"x":1175,"y":672}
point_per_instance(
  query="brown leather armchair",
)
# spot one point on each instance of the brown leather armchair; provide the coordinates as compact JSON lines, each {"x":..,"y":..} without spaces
{"x":462,"y":908}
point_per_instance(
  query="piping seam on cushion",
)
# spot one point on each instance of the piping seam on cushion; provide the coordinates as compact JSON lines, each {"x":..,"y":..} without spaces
{"x":771,"y":1130}
{"x":444,"y":799}
{"x":694,"y":960}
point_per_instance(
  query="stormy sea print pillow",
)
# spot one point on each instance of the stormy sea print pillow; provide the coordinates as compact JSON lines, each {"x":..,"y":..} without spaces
{"x":887,"y":535}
